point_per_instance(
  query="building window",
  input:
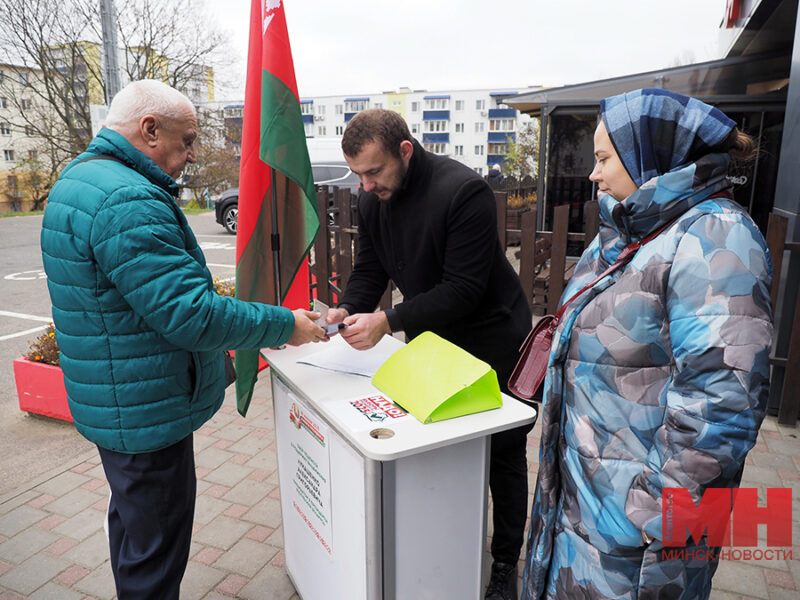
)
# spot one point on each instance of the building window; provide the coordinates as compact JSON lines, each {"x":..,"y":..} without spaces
{"x":479,"y":150}
{"x":479,"y":127}
{"x":12,"y":183}
{"x":8,"y":155}
{"x":33,"y":154}
{"x":339,"y":129}
{"x":480,"y":104}
{"x":355,"y":106}
{"x":307,"y":108}
{"x":3,"y":103}
{"x":2,"y":75}
{"x":479,"y":170}
{"x":459,"y":128}
{"x":415,"y":128}
{"x":458,"y":150}
{"x":459,"y":105}
{"x":436,"y":103}
{"x":321,"y":130}
{"x":397,"y":103}
{"x":25,"y":104}
{"x":501,"y":124}
{"x":5,"y":129}
{"x":435,"y":126}
{"x":321,"y":109}
{"x":415,"y":107}
{"x":23,"y":78}
{"x":436,"y":148}
{"x":29,"y":130}
{"x":498,"y":148}
{"x":339,"y":109}
{"x":309,"y":129}
{"x":378,"y":105}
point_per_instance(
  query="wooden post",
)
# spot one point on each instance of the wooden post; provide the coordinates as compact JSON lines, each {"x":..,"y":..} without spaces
{"x":790,"y":398}
{"x":345,"y":256}
{"x":558,"y":257}
{"x":776,"y":241}
{"x":527,"y":252}
{"x":322,"y":249}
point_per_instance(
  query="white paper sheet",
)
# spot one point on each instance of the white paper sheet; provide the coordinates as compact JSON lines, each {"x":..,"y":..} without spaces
{"x":342,"y":358}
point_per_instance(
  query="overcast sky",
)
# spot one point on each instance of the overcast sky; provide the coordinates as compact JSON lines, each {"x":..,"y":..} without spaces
{"x":370,"y":46}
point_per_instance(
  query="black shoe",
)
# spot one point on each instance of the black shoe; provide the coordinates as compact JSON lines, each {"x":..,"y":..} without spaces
{"x":503,"y":582}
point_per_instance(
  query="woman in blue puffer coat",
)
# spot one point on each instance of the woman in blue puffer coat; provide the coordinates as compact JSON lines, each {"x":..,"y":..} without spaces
{"x":658,"y":374}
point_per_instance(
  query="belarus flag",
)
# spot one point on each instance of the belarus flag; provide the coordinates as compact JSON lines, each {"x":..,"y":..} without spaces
{"x":272,"y":136}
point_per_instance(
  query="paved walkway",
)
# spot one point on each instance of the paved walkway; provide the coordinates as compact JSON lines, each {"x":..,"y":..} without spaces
{"x":52,"y":543}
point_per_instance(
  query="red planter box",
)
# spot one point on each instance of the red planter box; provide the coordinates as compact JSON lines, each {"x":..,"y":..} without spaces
{"x":40,"y":389}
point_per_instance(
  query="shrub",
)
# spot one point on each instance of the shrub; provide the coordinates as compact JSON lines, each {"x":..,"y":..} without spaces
{"x":44,"y":349}
{"x":519,"y":201}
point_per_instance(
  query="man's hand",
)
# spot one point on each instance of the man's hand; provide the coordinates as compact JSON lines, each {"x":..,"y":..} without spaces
{"x":364,"y":330}
{"x":336,"y":315}
{"x":305,"y":330}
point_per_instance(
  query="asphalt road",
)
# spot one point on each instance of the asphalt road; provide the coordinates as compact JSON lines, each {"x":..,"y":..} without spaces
{"x":31,"y":445}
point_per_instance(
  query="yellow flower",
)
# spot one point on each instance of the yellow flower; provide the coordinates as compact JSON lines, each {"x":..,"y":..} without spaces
{"x":51,"y":334}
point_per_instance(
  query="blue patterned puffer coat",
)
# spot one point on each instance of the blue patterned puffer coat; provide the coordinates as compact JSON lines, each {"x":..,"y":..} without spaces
{"x":658,"y":378}
{"x":139,"y":325}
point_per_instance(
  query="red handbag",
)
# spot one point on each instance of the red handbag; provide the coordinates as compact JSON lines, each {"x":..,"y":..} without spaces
{"x":531,"y":367}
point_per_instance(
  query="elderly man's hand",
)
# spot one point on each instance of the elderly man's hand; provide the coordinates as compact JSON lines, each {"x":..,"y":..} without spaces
{"x":336,"y":315}
{"x":305,"y":330}
{"x":364,"y":330}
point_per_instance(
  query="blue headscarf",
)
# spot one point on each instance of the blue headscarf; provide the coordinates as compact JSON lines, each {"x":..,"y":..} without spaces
{"x":655,"y":131}
{"x":665,"y":142}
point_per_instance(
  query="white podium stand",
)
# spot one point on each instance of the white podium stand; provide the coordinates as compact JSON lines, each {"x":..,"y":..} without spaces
{"x":366,"y":516}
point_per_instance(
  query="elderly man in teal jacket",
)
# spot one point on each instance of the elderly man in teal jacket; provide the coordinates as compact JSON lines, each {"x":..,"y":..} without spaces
{"x":141,"y":329}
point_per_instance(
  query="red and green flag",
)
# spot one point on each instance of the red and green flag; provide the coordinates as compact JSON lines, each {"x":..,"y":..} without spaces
{"x":273,"y":137}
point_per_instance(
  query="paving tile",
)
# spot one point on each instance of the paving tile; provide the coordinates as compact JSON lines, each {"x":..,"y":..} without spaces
{"x":247,"y":492}
{"x":246,"y":557}
{"x":233,"y":432}
{"x":780,"y":579}
{"x":770,"y":459}
{"x":207,"y":508}
{"x":267,"y":513}
{"x":733,"y":576}
{"x":33,"y":574}
{"x":62,"y":484}
{"x":259,"y":533}
{"x":53,"y":591}
{"x":778,"y":593}
{"x":232,"y":584}
{"x":271,"y":583}
{"x":22,"y":498}
{"x":7,"y":595}
{"x":72,"y":576}
{"x":211,"y":458}
{"x":236,"y":510}
{"x":223,"y":532}
{"x":753,"y":474}
{"x":228,"y":474}
{"x":20,"y":518}
{"x":91,"y":552}
{"x":199,"y":579}
{"x":82,"y":525}
{"x":216,"y":491}
{"x":266,"y":460}
{"x":73,"y":502}
{"x":276,"y":539}
{"x":98,"y":584}
{"x":41,"y":501}
{"x":60,"y":546}
{"x":208,"y":555}
{"x":5,"y":567}
{"x":25,"y":544}
{"x":251,"y":444}
{"x":51,"y":522}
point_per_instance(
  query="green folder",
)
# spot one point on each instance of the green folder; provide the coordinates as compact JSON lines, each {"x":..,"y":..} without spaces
{"x":435,"y":380}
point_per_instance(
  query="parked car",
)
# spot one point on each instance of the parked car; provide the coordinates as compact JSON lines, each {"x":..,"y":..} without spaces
{"x":226,"y":205}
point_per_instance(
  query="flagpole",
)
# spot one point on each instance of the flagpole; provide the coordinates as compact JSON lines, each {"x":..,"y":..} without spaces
{"x":276,"y":239}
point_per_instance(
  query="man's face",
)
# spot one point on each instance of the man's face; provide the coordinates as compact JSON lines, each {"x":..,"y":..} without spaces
{"x":380,"y":172}
{"x":174,"y":145}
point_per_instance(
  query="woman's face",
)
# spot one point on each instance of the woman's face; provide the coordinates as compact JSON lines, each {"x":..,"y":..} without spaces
{"x":609,"y":174}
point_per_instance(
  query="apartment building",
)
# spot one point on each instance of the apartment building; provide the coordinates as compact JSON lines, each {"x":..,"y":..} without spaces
{"x":471,"y":126}
{"x":18,"y":143}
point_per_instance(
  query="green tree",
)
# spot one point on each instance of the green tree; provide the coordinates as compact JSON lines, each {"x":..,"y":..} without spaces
{"x":522,"y":159}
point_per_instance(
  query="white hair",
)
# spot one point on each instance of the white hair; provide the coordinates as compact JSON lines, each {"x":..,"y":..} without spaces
{"x":146,"y":97}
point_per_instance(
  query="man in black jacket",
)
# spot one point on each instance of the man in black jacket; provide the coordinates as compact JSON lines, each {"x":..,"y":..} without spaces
{"x":429,"y":224}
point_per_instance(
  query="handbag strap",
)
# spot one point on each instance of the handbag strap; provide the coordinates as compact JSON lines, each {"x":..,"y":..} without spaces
{"x":628,"y":252}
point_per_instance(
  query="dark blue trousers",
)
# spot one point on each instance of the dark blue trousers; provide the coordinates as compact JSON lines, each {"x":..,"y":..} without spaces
{"x":150,"y":519}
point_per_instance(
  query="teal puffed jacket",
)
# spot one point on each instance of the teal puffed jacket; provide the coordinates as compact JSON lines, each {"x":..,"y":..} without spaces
{"x":140,"y":327}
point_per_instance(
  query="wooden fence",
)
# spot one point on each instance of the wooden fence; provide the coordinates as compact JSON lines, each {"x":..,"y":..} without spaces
{"x":544,"y":265}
